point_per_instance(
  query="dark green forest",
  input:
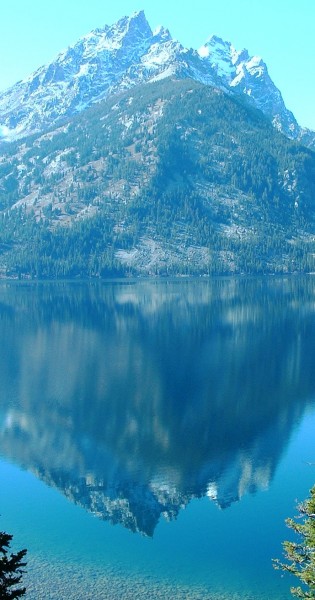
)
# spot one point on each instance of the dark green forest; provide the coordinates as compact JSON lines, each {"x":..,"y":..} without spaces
{"x":176,"y":162}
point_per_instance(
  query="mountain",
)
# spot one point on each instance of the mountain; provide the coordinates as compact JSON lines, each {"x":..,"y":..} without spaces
{"x":147,"y":158}
{"x":172,"y":177}
{"x":103,"y":62}
{"x":244,"y":74}
{"x":115,"y":58}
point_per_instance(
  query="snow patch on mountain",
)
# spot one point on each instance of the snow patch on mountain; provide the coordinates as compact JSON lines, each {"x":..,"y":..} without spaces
{"x":244,"y":74}
{"x":114,"y":58}
{"x":218,"y":54}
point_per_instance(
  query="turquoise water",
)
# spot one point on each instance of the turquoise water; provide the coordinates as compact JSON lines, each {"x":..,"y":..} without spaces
{"x":154,"y":436}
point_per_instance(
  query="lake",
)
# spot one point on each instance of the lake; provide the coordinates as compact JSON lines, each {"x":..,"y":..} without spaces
{"x":155,"y":435}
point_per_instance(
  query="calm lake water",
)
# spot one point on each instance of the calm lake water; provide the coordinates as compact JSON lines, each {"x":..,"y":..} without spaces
{"x":154,"y":435}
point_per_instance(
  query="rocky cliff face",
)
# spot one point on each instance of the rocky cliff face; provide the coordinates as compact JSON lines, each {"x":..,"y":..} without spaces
{"x":245,"y":74}
{"x":114,"y":58}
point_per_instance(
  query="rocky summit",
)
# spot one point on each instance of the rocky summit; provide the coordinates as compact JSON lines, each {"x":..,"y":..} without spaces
{"x":130,"y":155}
{"x":115,"y":58}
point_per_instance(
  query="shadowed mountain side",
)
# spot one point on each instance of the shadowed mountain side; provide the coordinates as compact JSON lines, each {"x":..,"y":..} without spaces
{"x":108,"y":402}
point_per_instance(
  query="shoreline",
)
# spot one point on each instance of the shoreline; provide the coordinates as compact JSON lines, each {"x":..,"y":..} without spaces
{"x":65,"y":581}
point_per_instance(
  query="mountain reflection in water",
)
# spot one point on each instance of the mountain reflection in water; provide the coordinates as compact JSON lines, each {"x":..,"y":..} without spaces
{"x":133,"y":398}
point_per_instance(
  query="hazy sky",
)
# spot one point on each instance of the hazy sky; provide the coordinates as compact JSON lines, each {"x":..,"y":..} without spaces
{"x":33,"y":32}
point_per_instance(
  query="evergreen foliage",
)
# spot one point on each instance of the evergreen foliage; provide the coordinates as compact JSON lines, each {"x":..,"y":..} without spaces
{"x":301,"y":554}
{"x":174,"y":161}
{"x":11,"y":570}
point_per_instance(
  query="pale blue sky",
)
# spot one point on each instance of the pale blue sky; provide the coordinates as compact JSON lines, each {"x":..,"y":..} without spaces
{"x":33,"y":32}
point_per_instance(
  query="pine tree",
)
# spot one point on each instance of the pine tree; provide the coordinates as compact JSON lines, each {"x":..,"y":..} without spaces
{"x":301,"y":554}
{"x":11,"y":569}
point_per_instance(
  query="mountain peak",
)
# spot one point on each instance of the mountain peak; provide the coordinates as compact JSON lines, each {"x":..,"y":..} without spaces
{"x":219,"y":54}
{"x":162,"y":34}
{"x":214,"y":39}
{"x":127,"y":29}
{"x":214,"y":44}
{"x":136,"y":22}
{"x":126,"y":54}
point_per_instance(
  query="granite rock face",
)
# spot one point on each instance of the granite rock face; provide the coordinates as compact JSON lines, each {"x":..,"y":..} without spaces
{"x":114,"y":58}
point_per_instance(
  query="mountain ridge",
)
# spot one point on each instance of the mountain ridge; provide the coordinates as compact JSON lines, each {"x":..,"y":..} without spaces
{"x":148,"y":158}
{"x":114,"y":58}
